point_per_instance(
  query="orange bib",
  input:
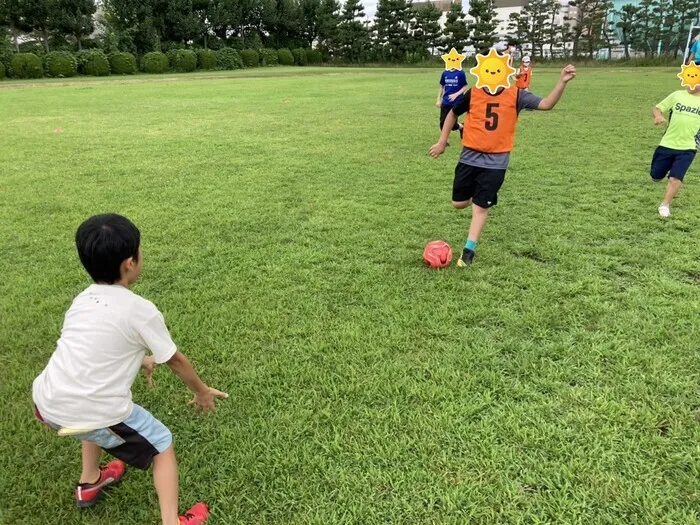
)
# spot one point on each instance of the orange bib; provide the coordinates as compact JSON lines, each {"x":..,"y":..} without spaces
{"x":524,"y":81}
{"x":490,"y":123}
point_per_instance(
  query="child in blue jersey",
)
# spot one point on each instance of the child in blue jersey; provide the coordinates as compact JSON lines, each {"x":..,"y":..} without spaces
{"x":453,"y":86}
{"x":695,"y":51}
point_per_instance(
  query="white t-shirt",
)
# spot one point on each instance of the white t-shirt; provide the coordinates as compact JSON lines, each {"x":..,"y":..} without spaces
{"x":106,"y":332}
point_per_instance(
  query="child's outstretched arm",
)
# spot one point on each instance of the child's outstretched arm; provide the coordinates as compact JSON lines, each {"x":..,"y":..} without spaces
{"x":567,"y":74}
{"x":204,"y":396}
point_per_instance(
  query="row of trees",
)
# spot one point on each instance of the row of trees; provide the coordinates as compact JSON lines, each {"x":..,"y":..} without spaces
{"x":653,"y":27}
{"x":341,"y":30}
{"x":656,"y":27}
{"x":399,"y":31}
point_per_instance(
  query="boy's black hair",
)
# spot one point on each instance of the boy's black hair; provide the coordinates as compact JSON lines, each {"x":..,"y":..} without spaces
{"x":104,"y":242}
{"x":512,"y":43}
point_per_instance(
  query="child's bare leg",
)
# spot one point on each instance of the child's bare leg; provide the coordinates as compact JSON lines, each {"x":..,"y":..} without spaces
{"x":479,"y":216}
{"x":166,"y":482}
{"x":91,"y":462}
{"x":672,"y":190}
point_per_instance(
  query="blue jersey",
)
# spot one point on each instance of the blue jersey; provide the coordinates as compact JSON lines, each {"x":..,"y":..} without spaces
{"x":453,"y":81}
{"x":695,"y":50}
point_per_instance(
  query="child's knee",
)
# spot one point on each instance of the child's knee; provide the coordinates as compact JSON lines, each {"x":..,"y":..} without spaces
{"x":460,"y":205}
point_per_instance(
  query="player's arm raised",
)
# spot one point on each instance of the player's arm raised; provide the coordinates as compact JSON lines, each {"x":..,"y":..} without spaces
{"x":567,"y":74}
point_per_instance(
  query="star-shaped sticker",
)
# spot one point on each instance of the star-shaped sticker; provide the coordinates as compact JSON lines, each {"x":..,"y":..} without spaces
{"x":689,"y":75}
{"x":453,"y":60}
{"x":492,"y":71}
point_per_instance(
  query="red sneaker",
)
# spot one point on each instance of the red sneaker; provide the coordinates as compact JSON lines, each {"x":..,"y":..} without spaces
{"x":87,"y":494}
{"x":197,"y":515}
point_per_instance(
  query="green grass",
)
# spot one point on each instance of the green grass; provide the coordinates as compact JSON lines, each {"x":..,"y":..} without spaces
{"x":283,"y":220}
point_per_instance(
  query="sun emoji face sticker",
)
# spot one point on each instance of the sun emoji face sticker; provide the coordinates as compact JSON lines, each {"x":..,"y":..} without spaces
{"x":492,"y":71}
{"x":689,"y":75}
{"x":453,"y":60}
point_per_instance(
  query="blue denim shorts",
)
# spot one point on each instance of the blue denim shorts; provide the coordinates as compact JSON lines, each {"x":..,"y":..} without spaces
{"x":135,"y":441}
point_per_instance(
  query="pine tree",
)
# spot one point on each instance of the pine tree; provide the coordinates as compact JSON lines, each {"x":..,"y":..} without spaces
{"x":72,"y":17}
{"x":627,"y":25}
{"x":686,"y":13}
{"x":352,"y":33}
{"x":328,"y":20}
{"x":391,"y":24}
{"x":455,"y":33}
{"x":590,"y":25}
{"x":537,"y":14}
{"x":309,"y":21}
{"x":482,"y":32}
{"x":519,"y":30}
{"x":553,"y":31}
{"x":426,"y":29}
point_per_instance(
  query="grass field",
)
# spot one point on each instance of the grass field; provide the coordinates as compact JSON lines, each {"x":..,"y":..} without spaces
{"x":283,"y":218}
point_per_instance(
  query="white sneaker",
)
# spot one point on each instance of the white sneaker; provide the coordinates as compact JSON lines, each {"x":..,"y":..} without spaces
{"x":664,"y":211}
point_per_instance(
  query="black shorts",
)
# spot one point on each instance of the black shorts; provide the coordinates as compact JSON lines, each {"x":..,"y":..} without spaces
{"x":444,"y":110}
{"x":671,"y":162}
{"x":481,"y":185}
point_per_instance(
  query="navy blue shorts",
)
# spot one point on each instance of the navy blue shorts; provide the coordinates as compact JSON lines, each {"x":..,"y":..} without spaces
{"x":671,"y":162}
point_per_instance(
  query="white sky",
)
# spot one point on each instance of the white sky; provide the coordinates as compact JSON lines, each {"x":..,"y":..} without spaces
{"x":370,"y":8}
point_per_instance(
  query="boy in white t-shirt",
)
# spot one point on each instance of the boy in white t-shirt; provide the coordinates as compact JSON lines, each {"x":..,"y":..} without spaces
{"x":85,"y":390}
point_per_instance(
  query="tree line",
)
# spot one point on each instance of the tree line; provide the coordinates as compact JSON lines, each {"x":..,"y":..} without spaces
{"x":652,"y":27}
{"x":399,"y":32}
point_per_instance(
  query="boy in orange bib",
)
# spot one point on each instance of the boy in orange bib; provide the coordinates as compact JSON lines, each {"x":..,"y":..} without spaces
{"x":489,"y":134}
{"x":524,"y":75}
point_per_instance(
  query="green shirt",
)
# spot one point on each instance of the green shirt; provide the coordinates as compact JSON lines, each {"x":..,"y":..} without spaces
{"x":683,"y":120}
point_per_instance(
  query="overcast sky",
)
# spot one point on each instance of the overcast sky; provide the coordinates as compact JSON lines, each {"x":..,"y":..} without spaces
{"x":370,"y":7}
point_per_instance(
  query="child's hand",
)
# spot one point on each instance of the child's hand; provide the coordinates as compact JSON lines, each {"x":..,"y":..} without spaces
{"x":436,"y":150}
{"x":438,"y":104}
{"x":149,"y":365}
{"x":659,"y":119}
{"x":453,"y":97}
{"x":205,"y":401}
{"x":568,"y":73}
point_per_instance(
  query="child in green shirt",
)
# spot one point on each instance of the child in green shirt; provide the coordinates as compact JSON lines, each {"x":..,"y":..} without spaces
{"x":678,"y":146}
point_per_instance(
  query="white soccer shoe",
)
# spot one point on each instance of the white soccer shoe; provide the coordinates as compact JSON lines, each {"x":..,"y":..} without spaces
{"x":664,"y":210}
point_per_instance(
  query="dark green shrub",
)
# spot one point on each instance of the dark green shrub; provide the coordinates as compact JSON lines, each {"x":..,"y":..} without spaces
{"x":313,"y":56}
{"x":94,"y":63}
{"x":81,"y":57}
{"x":122,"y":64}
{"x":206,"y":59}
{"x":228,"y":59}
{"x":182,"y":60}
{"x":250,"y":58}
{"x":236,"y":43}
{"x":268,"y":57}
{"x":60,"y":64}
{"x":2,"y":70}
{"x":6,"y":59}
{"x":285,"y":57}
{"x":154,"y":62}
{"x":26,"y":65}
{"x":215,"y":43}
{"x":252,"y":41}
{"x":300,"y":57}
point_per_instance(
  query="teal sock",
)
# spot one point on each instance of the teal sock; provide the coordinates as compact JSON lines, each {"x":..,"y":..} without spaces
{"x":471,"y":245}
